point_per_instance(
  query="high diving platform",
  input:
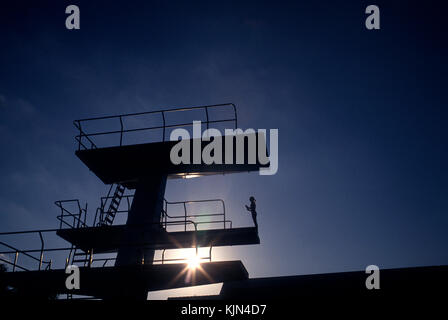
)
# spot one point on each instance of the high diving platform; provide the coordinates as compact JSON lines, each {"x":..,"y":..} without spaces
{"x":134,"y":222}
{"x":115,"y":159}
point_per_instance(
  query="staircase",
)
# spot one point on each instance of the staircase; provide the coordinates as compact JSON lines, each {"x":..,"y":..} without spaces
{"x":107,"y":218}
{"x":81,"y":258}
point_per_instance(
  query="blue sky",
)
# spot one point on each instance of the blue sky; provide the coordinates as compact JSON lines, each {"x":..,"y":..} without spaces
{"x":361,"y":117}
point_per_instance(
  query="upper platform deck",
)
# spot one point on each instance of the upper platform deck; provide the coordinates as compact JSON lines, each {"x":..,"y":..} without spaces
{"x":126,"y":164}
{"x":116,"y":155}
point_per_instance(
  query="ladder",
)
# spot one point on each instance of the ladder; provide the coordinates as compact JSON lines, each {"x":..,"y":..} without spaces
{"x":108,"y":217}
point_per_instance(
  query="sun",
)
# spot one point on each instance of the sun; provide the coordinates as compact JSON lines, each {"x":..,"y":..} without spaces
{"x":193,"y":262}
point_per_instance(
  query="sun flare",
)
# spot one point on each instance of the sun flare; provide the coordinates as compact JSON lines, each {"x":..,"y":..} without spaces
{"x":194,"y":262}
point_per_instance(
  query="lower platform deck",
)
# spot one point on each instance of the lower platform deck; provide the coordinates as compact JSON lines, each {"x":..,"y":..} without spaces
{"x":129,"y":281}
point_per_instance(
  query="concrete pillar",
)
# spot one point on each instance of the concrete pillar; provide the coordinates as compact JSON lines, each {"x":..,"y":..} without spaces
{"x":143,"y":220}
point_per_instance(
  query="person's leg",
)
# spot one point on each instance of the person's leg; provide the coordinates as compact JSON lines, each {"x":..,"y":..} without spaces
{"x":254,"y":217}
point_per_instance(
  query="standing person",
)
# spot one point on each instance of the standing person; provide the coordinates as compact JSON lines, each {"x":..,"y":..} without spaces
{"x":252,"y":210}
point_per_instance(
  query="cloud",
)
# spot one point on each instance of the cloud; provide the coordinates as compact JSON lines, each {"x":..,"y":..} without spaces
{"x":24,"y":107}
{"x":14,"y":213}
{"x":4,"y":257}
{"x":18,"y":106}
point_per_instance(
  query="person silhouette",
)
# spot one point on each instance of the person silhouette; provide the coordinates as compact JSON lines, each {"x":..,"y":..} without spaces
{"x":251,"y":209}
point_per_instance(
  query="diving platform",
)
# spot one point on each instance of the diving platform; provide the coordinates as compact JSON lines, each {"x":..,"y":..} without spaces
{"x":125,"y":281}
{"x":114,"y":155}
{"x":110,"y":238}
{"x":126,"y":164}
{"x":130,"y":151}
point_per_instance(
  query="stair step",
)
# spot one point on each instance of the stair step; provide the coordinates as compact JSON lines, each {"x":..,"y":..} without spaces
{"x":114,"y":203}
{"x":111,"y":213}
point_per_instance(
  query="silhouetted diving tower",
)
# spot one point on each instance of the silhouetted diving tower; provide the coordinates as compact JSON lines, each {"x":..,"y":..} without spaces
{"x":146,"y":167}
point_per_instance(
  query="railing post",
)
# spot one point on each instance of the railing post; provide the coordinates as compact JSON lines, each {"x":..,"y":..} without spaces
{"x":79,"y":216}
{"x":185,"y":215}
{"x":41,"y":250}
{"x":224,"y":212}
{"x":85,"y":215}
{"x":78,"y":125}
{"x":121,"y":131}
{"x":15,"y":261}
{"x":40,"y":260}
{"x":196,"y":239}
{"x":62,"y":214}
{"x":236,"y":117}
{"x":96,"y":214}
{"x":166,"y":214}
{"x":90,"y":257}
{"x":164,"y":125}
{"x":206,"y":114}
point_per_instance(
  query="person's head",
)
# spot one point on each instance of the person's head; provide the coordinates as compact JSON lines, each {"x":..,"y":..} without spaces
{"x":252,"y":199}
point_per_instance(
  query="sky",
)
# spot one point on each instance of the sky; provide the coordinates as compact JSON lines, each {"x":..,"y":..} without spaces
{"x":361,"y":116}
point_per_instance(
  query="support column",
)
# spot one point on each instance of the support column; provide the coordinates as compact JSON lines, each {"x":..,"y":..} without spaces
{"x":143,"y":221}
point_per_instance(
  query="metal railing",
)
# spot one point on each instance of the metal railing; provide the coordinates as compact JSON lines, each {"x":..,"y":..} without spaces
{"x":85,"y":140}
{"x":41,"y":264}
{"x":78,"y":220}
{"x":28,"y":253}
{"x":73,"y":220}
{"x":185,"y":216}
{"x":178,"y":218}
{"x":163,"y":260}
{"x":100,"y":210}
{"x":209,"y":258}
